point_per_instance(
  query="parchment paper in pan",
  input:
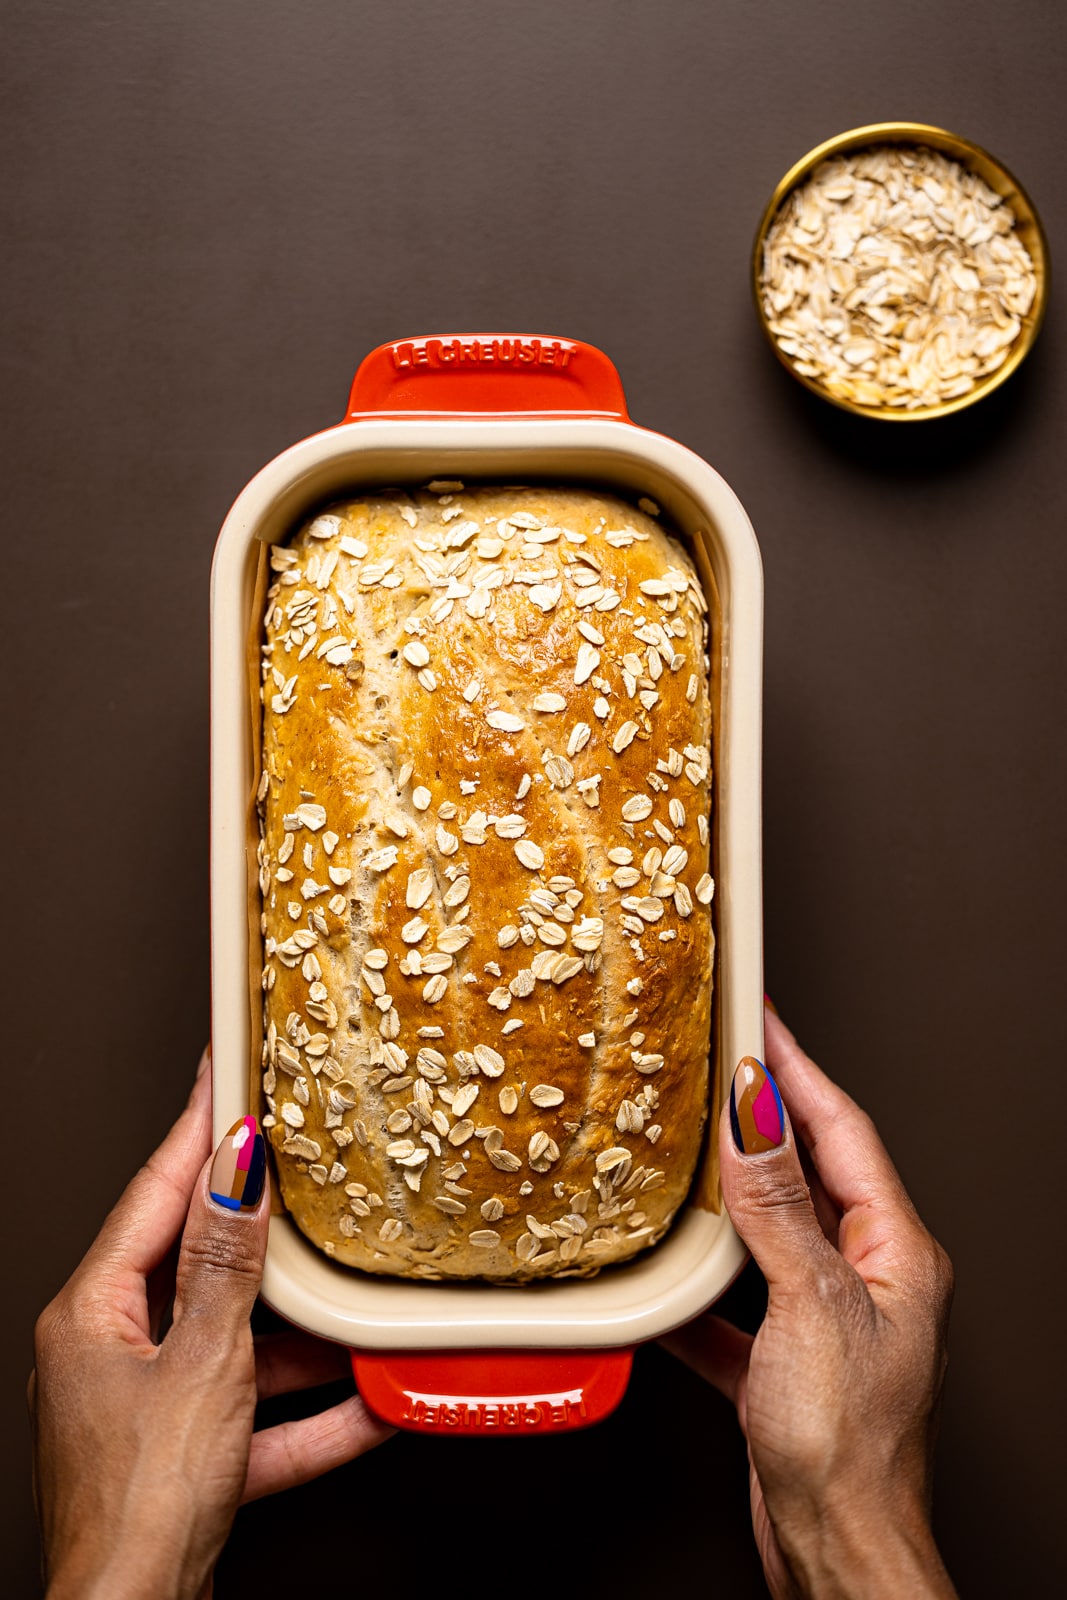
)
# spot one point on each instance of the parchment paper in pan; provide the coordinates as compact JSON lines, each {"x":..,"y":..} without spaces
{"x":253,"y":659}
{"x":706,"y":1193}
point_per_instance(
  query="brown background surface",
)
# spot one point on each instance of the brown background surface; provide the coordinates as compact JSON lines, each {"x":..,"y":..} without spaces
{"x":213,"y":210}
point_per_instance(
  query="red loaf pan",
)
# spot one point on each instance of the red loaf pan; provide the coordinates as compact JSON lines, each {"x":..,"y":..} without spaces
{"x":478,"y":1358}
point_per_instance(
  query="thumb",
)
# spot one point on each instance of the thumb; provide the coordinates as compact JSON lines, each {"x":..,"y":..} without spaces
{"x":220,"y":1264}
{"x":762,"y":1182}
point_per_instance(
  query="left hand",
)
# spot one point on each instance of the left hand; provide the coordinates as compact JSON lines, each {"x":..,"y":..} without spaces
{"x":144,"y":1447}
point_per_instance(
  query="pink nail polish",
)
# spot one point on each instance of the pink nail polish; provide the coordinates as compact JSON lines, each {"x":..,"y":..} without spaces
{"x":757,"y":1118}
{"x":239,"y":1167}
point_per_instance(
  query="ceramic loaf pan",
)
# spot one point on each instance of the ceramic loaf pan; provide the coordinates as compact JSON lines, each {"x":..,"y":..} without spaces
{"x":470,"y":1357}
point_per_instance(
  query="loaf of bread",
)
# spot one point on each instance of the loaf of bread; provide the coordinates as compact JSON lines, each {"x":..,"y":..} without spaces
{"x":484,"y":864}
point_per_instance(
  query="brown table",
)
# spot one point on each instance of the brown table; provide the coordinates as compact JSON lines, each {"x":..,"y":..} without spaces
{"x":214,"y":210}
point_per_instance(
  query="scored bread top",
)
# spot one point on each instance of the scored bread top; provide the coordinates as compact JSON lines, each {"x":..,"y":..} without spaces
{"x":484,"y":867}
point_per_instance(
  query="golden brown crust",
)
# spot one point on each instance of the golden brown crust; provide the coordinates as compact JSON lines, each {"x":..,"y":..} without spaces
{"x":486,"y":1047}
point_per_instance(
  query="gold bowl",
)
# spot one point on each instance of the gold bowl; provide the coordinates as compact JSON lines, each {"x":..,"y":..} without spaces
{"x":1028,"y":228}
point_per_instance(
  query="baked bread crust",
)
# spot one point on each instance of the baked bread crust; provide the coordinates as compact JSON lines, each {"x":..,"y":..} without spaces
{"x":484,"y":867}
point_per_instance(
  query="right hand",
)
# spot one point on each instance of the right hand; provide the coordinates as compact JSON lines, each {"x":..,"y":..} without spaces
{"x":837,"y":1393}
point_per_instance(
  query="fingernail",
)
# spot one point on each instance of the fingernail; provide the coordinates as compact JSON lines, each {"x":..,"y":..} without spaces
{"x":756,"y":1114}
{"x":769,"y":1003}
{"x":205,"y":1062}
{"x":239,"y":1167}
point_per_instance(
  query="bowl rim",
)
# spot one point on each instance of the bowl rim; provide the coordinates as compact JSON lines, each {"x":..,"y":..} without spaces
{"x":999,"y":177}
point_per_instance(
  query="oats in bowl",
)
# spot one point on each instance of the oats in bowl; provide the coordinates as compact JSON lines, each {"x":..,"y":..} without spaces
{"x":894,"y":278}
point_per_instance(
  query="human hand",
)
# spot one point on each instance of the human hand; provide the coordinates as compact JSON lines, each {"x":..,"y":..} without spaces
{"x":837,"y":1393}
{"x":143,"y":1446}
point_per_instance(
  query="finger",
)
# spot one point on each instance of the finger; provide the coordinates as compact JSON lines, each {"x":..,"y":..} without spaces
{"x":288,"y":1361}
{"x":881,"y":1234}
{"x":220,"y":1264}
{"x":149,"y":1215}
{"x":763,"y":1184}
{"x":159,"y":1291}
{"x":716,"y":1350}
{"x":828,"y":1214}
{"x":852,"y":1162}
{"x":296,"y":1452}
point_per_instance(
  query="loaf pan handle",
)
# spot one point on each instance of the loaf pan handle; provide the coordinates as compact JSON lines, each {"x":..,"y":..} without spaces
{"x":492,"y":1392}
{"x":472,"y":374}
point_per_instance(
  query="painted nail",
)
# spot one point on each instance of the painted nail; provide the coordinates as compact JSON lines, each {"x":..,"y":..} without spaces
{"x":767,"y":1001}
{"x":756,"y":1114}
{"x":239,"y":1167}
